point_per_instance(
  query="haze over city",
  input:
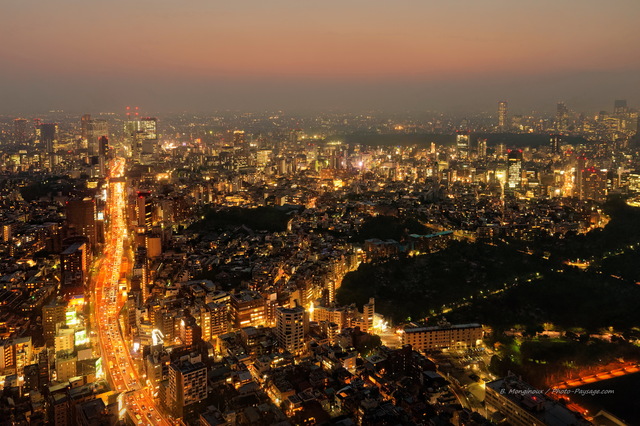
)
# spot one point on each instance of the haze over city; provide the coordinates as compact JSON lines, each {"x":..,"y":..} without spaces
{"x":308,"y":56}
{"x":331,"y":213}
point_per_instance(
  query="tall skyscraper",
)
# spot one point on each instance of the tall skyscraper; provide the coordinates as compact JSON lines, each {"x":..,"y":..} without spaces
{"x":620,"y":107}
{"x":20,"y":132}
{"x":514,"y":171}
{"x":502,"y":116}
{"x":149,"y":135}
{"x":482,"y":148}
{"x":81,"y":216}
{"x":48,"y":134}
{"x":562,"y":116}
{"x":290,"y":326}
{"x":95,"y":129}
{"x":462,"y":144}
{"x":144,"y":209}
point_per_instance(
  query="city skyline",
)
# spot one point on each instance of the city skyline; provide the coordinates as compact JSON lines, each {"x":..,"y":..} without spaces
{"x":451,"y":56}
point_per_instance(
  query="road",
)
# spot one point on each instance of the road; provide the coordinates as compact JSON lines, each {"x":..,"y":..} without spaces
{"x":109,"y":299}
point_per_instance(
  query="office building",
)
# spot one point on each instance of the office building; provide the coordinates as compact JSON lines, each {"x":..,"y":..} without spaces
{"x":502,"y":116}
{"x":462,"y":144}
{"x":514,"y":168}
{"x":81,"y":219}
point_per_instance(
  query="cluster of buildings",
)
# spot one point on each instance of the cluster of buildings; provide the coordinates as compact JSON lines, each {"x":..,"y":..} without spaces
{"x":234,"y":323}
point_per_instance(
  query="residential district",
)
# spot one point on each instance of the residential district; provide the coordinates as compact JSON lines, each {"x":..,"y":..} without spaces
{"x":187,"y":269}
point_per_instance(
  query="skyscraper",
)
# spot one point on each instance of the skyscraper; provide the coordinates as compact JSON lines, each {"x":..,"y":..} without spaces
{"x":514,"y":171}
{"x":554,"y":143}
{"x":482,"y":148}
{"x":48,"y":133}
{"x":81,"y":216}
{"x":620,"y":106}
{"x":20,"y":130}
{"x":462,"y":144}
{"x":594,"y":184}
{"x":502,"y":116}
{"x":562,"y":115}
{"x":290,"y":328}
{"x":149,"y":135}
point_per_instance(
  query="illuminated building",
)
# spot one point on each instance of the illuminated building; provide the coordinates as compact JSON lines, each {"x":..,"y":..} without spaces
{"x":92,"y":131}
{"x":482,"y":148}
{"x":81,"y":217}
{"x":52,"y":315}
{"x":554,"y":143}
{"x":247,"y":309}
{"x":218,"y":318}
{"x":368,"y":312}
{"x":462,"y":144}
{"x":74,"y":263}
{"x":149,"y":134}
{"x":562,"y":116}
{"x":514,"y":168}
{"x":187,"y":385}
{"x":48,"y":139}
{"x":594,"y":184}
{"x":64,"y":340}
{"x":290,"y":327}
{"x":144,"y":210}
{"x":502,"y":116}
{"x":430,"y":338}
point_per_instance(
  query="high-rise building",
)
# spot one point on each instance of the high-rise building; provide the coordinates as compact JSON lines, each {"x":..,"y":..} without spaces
{"x":91,"y":131}
{"x":52,"y":315}
{"x":187,"y":385}
{"x":20,"y":132}
{"x":74,"y":262}
{"x":620,"y":107}
{"x":368,"y":312}
{"x":290,"y":326}
{"x":144,"y":209}
{"x":149,"y":135}
{"x":462,"y":144}
{"x":502,"y":116}
{"x":562,"y":117}
{"x":554,"y":143}
{"x":48,"y":140}
{"x":482,"y":148}
{"x":594,"y":185}
{"x":81,"y":217}
{"x":514,"y":170}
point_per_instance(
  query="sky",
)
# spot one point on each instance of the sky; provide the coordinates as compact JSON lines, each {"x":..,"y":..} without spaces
{"x":205,"y":55}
